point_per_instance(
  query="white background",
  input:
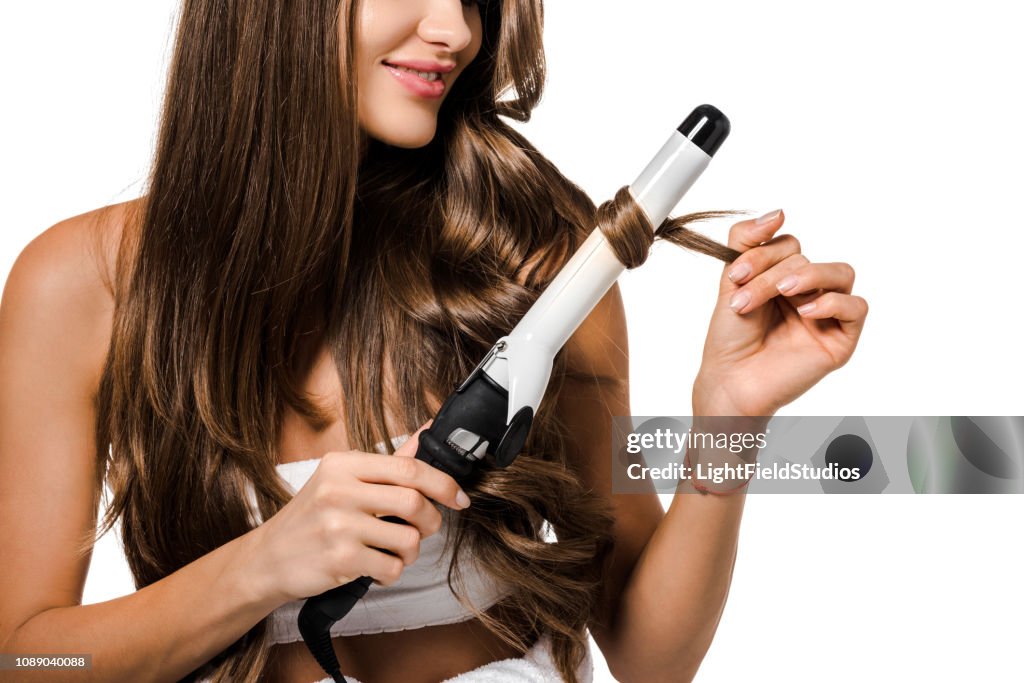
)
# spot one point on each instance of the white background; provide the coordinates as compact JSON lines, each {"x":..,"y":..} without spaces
{"x":891,"y":134}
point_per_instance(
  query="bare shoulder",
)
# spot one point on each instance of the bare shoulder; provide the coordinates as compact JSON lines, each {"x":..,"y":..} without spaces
{"x":60,"y":289}
{"x":55,"y":325}
{"x":84,"y":246}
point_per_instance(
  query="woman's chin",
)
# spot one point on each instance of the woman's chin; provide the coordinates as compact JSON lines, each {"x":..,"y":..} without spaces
{"x":408,"y":138}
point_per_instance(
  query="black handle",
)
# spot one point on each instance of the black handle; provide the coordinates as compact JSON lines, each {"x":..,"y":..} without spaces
{"x":321,"y":612}
{"x":478,"y":407}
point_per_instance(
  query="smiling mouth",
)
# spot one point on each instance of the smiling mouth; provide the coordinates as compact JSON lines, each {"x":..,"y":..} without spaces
{"x":428,"y":76}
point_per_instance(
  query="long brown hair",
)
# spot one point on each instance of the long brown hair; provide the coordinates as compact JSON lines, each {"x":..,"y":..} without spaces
{"x":271,"y":228}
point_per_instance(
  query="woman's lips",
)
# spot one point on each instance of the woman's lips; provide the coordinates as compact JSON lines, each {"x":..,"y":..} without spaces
{"x":417,"y":85}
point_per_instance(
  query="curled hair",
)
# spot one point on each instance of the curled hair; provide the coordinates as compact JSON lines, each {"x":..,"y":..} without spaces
{"x":271,"y":229}
{"x":630,"y":233}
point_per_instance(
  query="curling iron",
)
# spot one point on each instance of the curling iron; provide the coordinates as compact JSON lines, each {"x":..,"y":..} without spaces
{"x":488,"y":417}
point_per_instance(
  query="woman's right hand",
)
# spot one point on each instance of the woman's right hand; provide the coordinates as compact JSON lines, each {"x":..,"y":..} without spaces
{"x":328,"y":534}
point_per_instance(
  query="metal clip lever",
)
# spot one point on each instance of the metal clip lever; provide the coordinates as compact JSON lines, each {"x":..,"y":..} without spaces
{"x":473,"y":423}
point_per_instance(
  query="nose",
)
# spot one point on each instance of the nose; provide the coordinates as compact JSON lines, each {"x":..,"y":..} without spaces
{"x":445,"y":23}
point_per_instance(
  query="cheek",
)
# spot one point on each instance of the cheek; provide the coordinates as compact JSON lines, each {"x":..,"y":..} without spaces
{"x":367,"y":40}
{"x":473,"y":50}
{"x":369,"y":44}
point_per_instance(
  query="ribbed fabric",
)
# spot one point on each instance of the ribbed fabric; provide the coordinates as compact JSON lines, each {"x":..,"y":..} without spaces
{"x":421,"y":597}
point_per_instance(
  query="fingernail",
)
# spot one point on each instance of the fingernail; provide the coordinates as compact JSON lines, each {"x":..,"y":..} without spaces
{"x":787,"y":283}
{"x":462,"y":499}
{"x":740,"y":300}
{"x":806,"y":308}
{"x":768,"y":217}
{"x":739,"y":272}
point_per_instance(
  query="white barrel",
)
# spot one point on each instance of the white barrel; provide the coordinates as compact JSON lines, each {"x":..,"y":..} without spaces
{"x":586,"y":278}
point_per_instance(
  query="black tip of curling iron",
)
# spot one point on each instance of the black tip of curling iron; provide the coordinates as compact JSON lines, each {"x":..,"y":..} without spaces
{"x":706,"y":127}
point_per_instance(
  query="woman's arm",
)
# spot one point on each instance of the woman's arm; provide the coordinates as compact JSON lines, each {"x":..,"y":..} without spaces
{"x":780,"y":324}
{"x":54,"y":333}
{"x":670,"y":573}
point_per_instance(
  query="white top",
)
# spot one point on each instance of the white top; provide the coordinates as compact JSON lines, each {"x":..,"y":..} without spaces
{"x":421,"y":596}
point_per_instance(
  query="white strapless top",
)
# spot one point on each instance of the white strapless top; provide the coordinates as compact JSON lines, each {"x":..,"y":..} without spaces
{"x":421,"y":596}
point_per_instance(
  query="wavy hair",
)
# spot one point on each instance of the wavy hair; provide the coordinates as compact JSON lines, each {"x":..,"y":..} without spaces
{"x":272,"y":228}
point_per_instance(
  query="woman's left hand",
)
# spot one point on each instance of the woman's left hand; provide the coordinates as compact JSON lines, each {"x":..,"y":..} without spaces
{"x":767,"y":346}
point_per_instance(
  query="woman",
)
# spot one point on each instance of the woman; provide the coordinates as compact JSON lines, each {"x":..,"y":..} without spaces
{"x":316,"y":262}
